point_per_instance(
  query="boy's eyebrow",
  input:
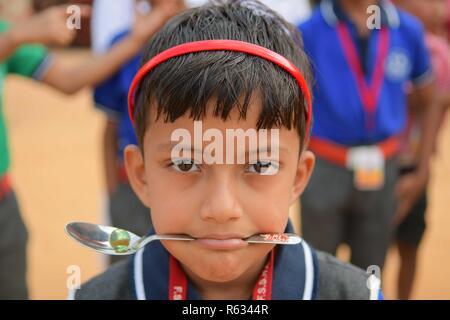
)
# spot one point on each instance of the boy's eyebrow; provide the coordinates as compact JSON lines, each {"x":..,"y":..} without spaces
{"x":170,"y":145}
{"x":267,"y":150}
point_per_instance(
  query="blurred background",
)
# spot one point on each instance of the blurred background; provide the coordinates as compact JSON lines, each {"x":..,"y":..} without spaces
{"x":58,"y":175}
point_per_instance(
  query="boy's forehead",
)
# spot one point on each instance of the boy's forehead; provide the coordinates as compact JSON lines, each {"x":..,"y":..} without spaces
{"x":160,"y":133}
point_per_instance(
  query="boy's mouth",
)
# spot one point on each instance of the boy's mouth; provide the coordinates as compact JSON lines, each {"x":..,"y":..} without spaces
{"x":221,"y":242}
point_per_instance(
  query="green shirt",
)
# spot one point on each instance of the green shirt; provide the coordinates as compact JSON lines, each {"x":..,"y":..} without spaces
{"x":28,"y":61}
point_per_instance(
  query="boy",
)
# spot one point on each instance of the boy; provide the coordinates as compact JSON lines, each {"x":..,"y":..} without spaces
{"x":17,"y":56}
{"x":411,"y":226}
{"x":229,"y":86}
{"x":361,"y":63}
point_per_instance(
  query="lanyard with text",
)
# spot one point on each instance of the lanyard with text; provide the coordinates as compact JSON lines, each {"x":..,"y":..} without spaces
{"x":369,"y":94}
{"x":178,"y":281}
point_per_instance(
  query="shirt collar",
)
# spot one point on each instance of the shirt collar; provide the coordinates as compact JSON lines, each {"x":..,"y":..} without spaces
{"x":332,"y":13}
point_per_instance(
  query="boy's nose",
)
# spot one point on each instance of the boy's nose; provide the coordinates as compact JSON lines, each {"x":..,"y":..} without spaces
{"x":221,"y":203}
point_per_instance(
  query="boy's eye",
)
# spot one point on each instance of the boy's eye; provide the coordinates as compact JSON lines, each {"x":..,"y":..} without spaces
{"x":264,"y":167}
{"x":185,"y":165}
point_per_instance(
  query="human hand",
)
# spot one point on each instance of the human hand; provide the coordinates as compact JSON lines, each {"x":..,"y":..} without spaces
{"x":48,"y":27}
{"x":146,"y":24}
{"x":408,"y":189}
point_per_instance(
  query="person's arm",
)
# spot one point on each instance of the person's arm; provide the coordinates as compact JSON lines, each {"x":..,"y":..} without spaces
{"x":412,"y":185}
{"x":426,"y":105}
{"x":108,"y":98}
{"x":48,"y":28}
{"x":110,"y":155}
{"x":8,"y":45}
{"x":96,"y":68}
{"x":445,"y":101}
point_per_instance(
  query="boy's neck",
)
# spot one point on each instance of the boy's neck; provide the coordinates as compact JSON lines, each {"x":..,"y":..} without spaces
{"x":356,"y":10}
{"x":238,"y":289}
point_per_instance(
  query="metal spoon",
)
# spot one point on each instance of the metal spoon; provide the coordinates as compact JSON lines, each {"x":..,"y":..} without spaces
{"x":114,"y":241}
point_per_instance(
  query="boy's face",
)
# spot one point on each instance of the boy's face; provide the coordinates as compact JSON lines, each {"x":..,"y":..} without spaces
{"x":218,"y":204}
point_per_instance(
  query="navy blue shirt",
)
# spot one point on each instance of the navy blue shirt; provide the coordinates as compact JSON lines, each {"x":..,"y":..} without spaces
{"x":111,"y":97}
{"x":339,"y":115}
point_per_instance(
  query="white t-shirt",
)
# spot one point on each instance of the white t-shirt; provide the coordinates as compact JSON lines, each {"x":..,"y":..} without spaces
{"x":109,"y":17}
{"x":294,"y":11}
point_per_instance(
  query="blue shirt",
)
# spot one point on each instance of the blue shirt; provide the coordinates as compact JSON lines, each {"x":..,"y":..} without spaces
{"x":111,"y":97}
{"x":339,"y":115}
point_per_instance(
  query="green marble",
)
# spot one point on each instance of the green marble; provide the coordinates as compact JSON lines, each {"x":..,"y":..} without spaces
{"x":120,"y":240}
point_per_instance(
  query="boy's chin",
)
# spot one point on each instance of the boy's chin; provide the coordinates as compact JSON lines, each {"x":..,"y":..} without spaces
{"x":218,"y":272}
{"x":220,"y":266}
{"x":212,"y":265}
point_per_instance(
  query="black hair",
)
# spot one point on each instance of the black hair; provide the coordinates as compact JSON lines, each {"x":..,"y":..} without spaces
{"x":186,"y":84}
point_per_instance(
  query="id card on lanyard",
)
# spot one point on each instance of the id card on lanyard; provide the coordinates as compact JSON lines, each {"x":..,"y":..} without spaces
{"x":178,"y":283}
{"x":366,"y":162}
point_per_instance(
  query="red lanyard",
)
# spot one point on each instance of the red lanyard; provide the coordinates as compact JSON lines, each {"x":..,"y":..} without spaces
{"x":178,"y":281}
{"x":369,"y":94}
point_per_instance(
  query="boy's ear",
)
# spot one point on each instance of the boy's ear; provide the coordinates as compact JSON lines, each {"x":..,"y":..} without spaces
{"x":304,"y":170}
{"x":135,"y":167}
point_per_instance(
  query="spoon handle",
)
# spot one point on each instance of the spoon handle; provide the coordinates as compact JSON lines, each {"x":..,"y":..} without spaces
{"x":282,"y":238}
{"x":146,"y":240}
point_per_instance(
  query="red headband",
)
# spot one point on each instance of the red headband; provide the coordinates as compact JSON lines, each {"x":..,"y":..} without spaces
{"x":223,"y":45}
